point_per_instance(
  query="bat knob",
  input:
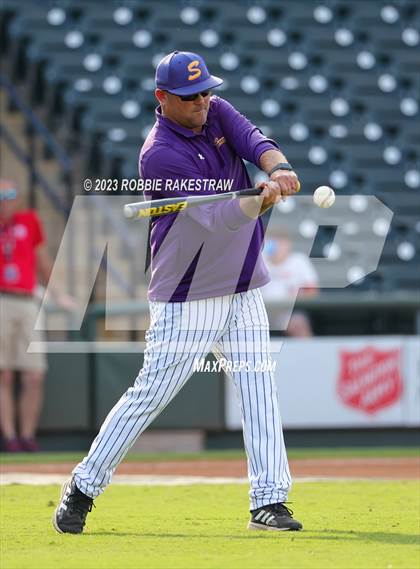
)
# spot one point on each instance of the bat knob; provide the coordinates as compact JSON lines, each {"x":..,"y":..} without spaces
{"x":128,"y":212}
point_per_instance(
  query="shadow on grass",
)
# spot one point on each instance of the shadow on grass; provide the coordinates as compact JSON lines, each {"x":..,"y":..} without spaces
{"x":376,"y":536}
{"x":161,"y":535}
{"x":323,"y":535}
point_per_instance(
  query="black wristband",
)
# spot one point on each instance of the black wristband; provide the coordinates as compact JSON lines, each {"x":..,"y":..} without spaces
{"x":280,"y":166}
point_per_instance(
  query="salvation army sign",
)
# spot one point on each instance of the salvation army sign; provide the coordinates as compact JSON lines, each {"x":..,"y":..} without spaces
{"x":370,"y":379}
{"x":342,"y":382}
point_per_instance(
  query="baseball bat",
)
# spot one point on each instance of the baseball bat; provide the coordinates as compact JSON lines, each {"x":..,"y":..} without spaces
{"x":154,"y":208}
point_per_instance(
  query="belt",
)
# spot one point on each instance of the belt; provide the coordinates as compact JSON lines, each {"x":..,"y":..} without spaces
{"x":16,"y":294}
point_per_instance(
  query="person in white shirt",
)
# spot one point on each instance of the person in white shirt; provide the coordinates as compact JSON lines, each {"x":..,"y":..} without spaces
{"x":290,"y":271}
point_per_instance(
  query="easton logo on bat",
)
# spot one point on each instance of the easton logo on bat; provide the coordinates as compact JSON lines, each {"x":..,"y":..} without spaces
{"x":162,"y":210}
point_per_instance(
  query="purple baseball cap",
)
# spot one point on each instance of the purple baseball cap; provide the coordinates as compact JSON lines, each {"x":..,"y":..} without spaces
{"x":184,"y":73}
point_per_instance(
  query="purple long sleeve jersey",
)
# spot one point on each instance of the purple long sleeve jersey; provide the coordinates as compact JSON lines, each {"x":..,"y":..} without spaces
{"x":211,"y":250}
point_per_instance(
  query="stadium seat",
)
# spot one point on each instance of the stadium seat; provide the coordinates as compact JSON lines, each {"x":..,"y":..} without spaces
{"x":335,"y":83}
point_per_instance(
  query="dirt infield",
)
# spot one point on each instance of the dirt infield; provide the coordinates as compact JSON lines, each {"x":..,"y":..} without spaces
{"x":387,"y":468}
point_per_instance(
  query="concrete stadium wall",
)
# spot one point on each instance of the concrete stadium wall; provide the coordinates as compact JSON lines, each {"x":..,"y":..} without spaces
{"x":81,"y":389}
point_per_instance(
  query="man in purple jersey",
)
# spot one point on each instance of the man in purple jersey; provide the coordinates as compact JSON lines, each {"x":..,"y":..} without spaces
{"x":204,"y":293}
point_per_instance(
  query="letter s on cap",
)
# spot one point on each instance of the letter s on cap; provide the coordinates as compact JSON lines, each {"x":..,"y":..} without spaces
{"x":193,"y":68}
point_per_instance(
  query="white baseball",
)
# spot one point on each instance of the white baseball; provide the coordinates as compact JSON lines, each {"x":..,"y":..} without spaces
{"x":324,"y":196}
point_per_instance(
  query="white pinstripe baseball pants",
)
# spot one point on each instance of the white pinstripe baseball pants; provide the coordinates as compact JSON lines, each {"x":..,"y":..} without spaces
{"x":234,"y":327}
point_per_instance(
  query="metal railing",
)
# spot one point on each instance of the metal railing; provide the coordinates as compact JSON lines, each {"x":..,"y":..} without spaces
{"x":405,"y":301}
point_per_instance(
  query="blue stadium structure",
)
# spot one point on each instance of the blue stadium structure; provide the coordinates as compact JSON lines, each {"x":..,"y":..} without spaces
{"x":335,"y":82}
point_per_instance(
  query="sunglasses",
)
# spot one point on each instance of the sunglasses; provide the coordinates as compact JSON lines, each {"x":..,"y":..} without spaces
{"x":194,"y":96}
{"x":9,"y":194}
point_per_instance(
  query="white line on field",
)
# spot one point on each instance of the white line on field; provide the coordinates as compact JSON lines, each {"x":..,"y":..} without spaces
{"x":9,"y":478}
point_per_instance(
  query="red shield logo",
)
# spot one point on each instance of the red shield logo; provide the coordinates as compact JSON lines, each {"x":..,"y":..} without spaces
{"x":370,"y":379}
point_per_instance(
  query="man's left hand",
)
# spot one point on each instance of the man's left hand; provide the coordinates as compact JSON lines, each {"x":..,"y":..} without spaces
{"x":287,"y":181}
{"x":280,"y":185}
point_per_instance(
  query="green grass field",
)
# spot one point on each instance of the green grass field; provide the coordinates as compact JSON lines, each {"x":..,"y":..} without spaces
{"x":348,"y":525}
{"x":75,"y":457}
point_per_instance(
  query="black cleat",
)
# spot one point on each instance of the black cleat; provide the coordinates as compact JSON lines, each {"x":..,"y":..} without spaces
{"x":274,"y":517}
{"x":70,"y":514}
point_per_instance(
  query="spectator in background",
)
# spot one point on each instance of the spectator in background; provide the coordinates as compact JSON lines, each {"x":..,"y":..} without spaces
{"x":289,"y":272}
{"x":23,"y":254}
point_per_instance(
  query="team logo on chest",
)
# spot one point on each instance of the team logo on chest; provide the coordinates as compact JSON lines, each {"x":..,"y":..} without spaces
{"x":20,"y":231}
{"x":219,"y":141}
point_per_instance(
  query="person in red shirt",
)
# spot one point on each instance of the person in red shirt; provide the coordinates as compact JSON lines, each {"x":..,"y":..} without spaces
{"x":23,"y":256}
